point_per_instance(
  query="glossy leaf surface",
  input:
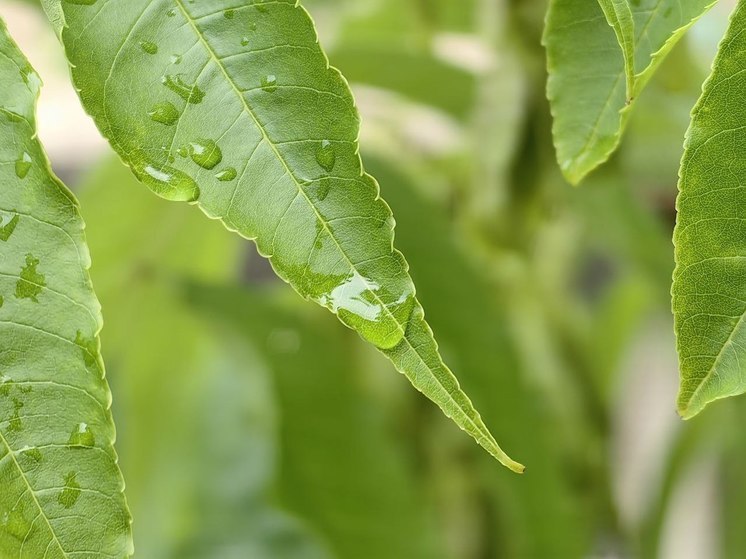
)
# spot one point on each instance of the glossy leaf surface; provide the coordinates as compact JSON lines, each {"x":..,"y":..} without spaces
{"x":233,"y":106}
{"x":61,"y":491}
{"x":709,"y":291}
{"x":600,"y":56}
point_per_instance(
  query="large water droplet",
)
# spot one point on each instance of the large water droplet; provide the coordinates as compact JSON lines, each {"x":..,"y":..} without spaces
{"x":176,"y":59}
{"x":269,"y":83}
{"x":23,"y":165}
{"x":8,"y":223}
{"x":190,"y":93}
{"x":149,"y":47}
{"x":322,"y":188}
{"x":326,"y":156}
{"x":226,"y":175}
{"x":31,"y":456}
{"x":14,"y":523}
{"x":205,"y":153}
{"x":168,"y":183}
{"x":30,"y":282}
{"x":71,"y":492}
{"x":82,"y":436}
{"x":244,"y":41}
{"x":165,"y":113}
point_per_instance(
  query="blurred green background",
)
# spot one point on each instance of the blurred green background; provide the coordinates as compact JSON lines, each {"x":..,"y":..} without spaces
{"x":253,"y":425}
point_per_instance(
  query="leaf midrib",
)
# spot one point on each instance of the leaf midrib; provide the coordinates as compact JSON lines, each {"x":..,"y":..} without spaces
{"x":705,"y":380}
{"x":31,"y":491}
{"x":250,"y":112}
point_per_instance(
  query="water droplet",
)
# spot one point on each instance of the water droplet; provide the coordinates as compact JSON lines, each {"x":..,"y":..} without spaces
{"x":269,"y":83}
{"x":23,"y":165}
{"x":322,"y":188}
{"x":190,"y":93}
{"x":376,"y":313}
{"x":226,"y":175}
{"x":89,"y":347}
{"x":168,"y":183}
{"x":5,"y":383}
{"x":14,"y":523}
{"x":182,"y":151}
{"x":31,"y":282}
{"x":71,"y":492}
{"x":149,"y":47}
{"x":16,"y":424}
{"x":229,"y":14}
{"x":176,"y":59}
{"x":82,"y":436}
{"x":244,"y":41}
{"x":32,"y":456}
{"x":252,"y":26}
{"x":205,"y":153}
{"x":171,"y":12}
{"x":81,"y":2}
{"x":259,"y":5}
{"x":8,"y":223}
{"x":326,"y":156}
{"x":165,"y":113}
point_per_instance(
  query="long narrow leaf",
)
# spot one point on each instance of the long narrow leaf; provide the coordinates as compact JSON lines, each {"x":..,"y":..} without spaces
{"x":233,"y":106}
{"x":709,"y":290}
{"x":61,"y":491}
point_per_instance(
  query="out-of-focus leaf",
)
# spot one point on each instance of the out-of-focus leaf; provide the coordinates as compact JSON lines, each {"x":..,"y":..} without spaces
{"x":339,"y":469}
{"x":207,"y":500}
{"x":62,"y":491}
{"x":538,"y":517}
{"x":156,"y":348}
{"x":238,"y":103}
{"x":420,"y":77}
{"x":593,"y":82}
{"x":709,"y":290}
{"x":237,"y":464}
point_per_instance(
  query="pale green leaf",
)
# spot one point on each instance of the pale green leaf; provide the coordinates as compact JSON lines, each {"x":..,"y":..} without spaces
{"x":709,"y":291}
{"x":600,"y":55}
{"x":233,"y":106}
{"x":61,"y":491}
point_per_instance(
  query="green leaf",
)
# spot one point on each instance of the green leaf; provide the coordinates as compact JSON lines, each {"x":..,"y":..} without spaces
{"x":600,"y":56}
{"x":266,"y":141}
{"x":323,"y":406}
{"x":709,"y":293}
{"x":62,"y":491}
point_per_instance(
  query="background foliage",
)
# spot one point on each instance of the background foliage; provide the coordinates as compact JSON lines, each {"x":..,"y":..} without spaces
{"x":253,"y":425}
